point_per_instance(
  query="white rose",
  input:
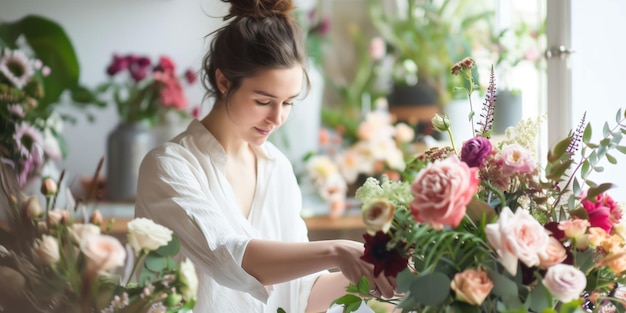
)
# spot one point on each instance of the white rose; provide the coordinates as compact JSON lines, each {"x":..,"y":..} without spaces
{"x":46,"y":250}
{"x":565,"y":282}
{"x":378,"y":215}
{"x":58,"y":216}
{"x":145,"y":234}
{"x":81,"y":231}
{"x":103,"y":252}
{"x":189,"y":279}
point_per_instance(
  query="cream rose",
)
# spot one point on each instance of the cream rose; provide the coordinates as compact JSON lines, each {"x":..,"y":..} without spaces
{"x":517,"y":237}
{"x":441,"y":192}
{"x":553,"y":254}
{"x":32,"y":207}
{"x":377,"y":215}
{"x":472,"y":286}
{"x":103,"y":252}
{"x":46,"y":250}
{"x":189,"y":279}
{"x":565,"y":282}
{"x":58,"y":216}
{"x":144,"y":234}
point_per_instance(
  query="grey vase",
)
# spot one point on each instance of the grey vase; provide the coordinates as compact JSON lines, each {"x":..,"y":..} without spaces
{"x":127,"y":145}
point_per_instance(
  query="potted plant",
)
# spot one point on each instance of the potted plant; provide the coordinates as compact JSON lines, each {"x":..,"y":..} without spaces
{"x":426,"y":38}
{"x":516,"y":46}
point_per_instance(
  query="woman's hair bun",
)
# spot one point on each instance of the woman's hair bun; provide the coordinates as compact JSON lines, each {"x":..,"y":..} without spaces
{"x":258,"y":8}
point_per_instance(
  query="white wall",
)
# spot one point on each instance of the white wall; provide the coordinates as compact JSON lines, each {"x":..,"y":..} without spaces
{"x":100,"y":28}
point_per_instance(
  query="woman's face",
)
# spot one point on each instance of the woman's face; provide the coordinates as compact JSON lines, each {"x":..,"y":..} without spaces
{"x":263,"y":102}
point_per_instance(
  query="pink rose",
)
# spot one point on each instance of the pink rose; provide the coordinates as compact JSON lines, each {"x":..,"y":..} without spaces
{"x":472,"y":286}
{"x":565,"y":282}
{"x":442,"y":190}
{"x":103,"y":252}
{"x":517,"y":237}
{"x":553,"y":254}
{"x":603,"y":213}
{"x":517,"y":159}
{"x":377,"y":48}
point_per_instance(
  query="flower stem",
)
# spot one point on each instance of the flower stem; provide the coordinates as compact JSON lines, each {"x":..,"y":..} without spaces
{"x":139,"y":260}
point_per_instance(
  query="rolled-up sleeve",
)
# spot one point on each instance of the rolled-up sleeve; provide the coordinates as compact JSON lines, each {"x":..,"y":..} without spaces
{"x":174,"y":191}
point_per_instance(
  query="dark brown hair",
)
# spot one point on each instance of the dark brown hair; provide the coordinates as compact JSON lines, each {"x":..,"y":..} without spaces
{"x":263,"y":34}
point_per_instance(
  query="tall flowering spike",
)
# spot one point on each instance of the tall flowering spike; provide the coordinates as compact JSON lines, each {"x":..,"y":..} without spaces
{"x":577,"y":136}
{"x":488,"y":108}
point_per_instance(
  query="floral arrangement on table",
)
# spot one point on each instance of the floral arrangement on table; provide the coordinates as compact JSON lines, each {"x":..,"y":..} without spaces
{"x":143,"y":91}
{"x":380,"y":149}
{"x":37,"y":65}
{"x":53,"y":260}
{"x":485,"y":228}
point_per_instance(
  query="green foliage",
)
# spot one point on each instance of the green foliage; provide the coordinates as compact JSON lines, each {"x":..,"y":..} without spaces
{"x":50,"y":43}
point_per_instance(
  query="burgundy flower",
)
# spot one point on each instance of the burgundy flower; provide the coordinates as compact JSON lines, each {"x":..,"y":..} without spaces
{"x":391,"y":262}
{"x":117,"y":65}
{"x":190,"y":76}
{"x":139,"y":67}
{"x":475,"y":151}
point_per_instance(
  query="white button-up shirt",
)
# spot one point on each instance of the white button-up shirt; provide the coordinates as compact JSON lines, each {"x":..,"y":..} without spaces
{"x":182,"y":185}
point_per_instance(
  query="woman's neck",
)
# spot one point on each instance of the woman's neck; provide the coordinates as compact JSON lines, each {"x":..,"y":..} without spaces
{"x":219,"y":124}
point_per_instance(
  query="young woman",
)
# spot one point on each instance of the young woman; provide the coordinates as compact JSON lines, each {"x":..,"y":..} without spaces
{"x":231,"y":196}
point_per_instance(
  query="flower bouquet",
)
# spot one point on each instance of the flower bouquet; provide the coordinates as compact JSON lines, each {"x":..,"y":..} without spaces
{"x":143,"y":91}
{"x":487,"y":229}
{"x":52,"y":260}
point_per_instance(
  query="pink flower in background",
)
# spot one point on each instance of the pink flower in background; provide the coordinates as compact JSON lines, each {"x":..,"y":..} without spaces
{"x":166,"y":65}
{"x":475,"y":151}
{"x":441,"y":192}
{"x":565,"y":282}
{"x":190,"y":76}
{"x":117,"y":65}
{"x":172,"y":93}
{"x":139,"y":68}
{"x":377,"y":48}
{"x":517,"y":159}
{"x":603,"y":213}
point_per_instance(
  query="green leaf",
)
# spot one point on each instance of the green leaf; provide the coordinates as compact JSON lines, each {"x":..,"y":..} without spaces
{"x":580,"y":213}
{"x":583,"y":260}
{"x":618,"y":116}
{"x":606,"y":130}
{"x":431,"y":288}
{"x":405,"y":280}
{"x":506,"y":289}
{"x":155,"y":263}
{"x":598,"y":169}
{"x":593,"y":192}
{"x":281,"y":310}
{"x":621,"y":149}
{"x":611,"y":159}
{"x":458,"y":306}
{"x":538,"y":299}
{"x":587,"y":133}
{"x":572,"y":306}
{"x":171,"y":249}
{"x":561,"y":146}
{"x":363,"y":286}
{"x":476,"y":209}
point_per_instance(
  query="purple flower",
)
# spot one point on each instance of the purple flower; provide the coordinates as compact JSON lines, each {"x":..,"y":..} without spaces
{"x":117,"y":65}
{"x":475,"y":151}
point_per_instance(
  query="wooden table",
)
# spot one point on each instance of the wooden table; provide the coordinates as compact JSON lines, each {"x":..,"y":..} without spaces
{"x":320,"y":227}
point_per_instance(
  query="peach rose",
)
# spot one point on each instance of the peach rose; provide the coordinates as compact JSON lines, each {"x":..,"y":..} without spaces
{"x":517,"y":237}
{"x":442,"y":190}
{"x":377,"y":215}
{"x":103,"y":252}
{"x":58,"y":216}
{"x":80,"y":232}
{"x":565,"y":282}
{"x":471,"y":286}
{"x":553,"y":254}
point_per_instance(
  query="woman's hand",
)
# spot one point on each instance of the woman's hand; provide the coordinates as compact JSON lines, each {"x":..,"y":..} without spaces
{"x":349,"y":262}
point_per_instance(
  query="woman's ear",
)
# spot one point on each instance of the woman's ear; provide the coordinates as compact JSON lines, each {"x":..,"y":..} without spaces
{"x":222,"y":82}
